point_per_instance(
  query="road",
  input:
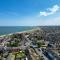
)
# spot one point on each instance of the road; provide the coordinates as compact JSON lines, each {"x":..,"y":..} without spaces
{"x":54,"y":54}
{"x":41,"y":54}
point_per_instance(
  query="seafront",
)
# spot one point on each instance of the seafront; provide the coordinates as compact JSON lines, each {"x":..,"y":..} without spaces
{"x":28,"y":45}
{"x":27,"y":31}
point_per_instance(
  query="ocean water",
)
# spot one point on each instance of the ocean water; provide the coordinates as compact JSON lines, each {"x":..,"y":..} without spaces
{"x":12,"y":29}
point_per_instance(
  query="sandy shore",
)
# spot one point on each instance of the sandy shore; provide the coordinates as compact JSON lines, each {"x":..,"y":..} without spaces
{"x":27,"y":31}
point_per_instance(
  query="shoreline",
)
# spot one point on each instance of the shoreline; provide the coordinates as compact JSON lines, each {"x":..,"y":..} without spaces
{"x":27,"y":31}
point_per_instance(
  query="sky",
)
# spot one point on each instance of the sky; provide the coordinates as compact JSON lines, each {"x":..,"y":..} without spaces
{"x":29,"y":12}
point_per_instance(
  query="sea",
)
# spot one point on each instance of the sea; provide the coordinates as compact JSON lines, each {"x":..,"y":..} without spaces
{"x":13,"y":29}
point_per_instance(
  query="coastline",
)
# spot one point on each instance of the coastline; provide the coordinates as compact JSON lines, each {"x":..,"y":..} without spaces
{"x":27,"y":31}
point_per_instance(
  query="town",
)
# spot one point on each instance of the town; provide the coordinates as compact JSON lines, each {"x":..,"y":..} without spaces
{"x":36,"y":44}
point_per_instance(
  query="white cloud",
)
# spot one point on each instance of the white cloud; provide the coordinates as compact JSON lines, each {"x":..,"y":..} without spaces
{"x":50,"y":11}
